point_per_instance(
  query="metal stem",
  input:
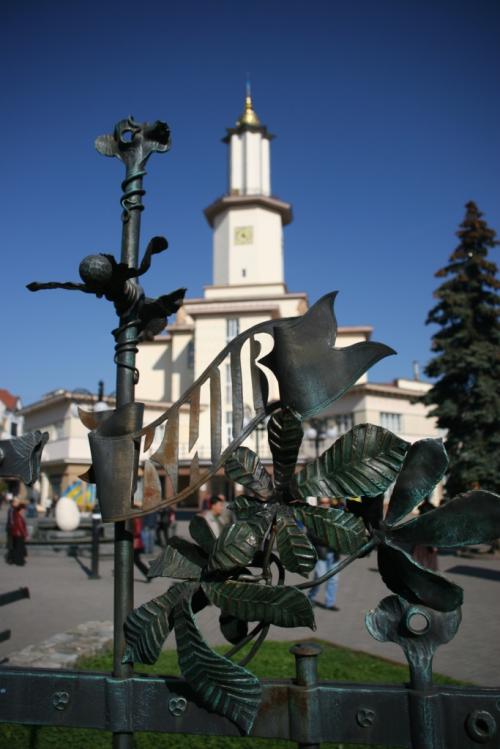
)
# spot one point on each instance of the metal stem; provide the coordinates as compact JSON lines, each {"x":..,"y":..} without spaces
{"x":306,"y":675}
{"x":125,"y":384}
{"x":94,"y":557}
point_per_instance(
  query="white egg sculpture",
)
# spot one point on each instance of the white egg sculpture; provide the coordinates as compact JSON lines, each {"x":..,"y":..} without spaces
{"x":67,"y":514}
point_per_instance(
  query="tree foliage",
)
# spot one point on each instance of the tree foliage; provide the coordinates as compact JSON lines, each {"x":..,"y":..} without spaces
{"x":465,"y":397}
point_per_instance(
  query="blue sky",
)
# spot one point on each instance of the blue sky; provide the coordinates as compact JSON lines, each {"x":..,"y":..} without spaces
{"x":387,"y":116}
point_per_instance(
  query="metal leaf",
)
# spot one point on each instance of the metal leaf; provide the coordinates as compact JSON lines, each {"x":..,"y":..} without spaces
{"x":285,"y":437}
{"x":147,"y":627}
{"x":296,"y":552}
{"x":281,"y":605}
{"x":244,"y":467}
{"x":232,"y":628}
{"x":416,"y":584}
{"x":180,"y":559}
{"x":235,"y":547}
{"x":366,"y":461}
{"x":20,"y":457}
{"x":202,"y":533}
{"x":253,"y":512}
{"x":243,"y":507}
{"x":471,"y":518}
{"x":222,"y":686}
{"x":339,"y":530}
{"x":424,"y":466}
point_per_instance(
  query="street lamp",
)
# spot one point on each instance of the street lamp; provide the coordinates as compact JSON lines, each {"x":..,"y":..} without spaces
{"x":318,"y":431}
{"x":260,"y":430}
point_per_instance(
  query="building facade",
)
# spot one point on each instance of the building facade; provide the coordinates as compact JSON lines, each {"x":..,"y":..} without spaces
{"x":248,"y":288}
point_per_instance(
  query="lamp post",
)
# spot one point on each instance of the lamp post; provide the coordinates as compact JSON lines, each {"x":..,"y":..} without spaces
{"x":100,"y":407}
{"x":260,"y":429}
{"x":318,"y":431}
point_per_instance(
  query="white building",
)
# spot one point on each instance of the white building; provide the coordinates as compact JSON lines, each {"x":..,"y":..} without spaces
{"x":11,"y":425}
{"x":248,"y":288}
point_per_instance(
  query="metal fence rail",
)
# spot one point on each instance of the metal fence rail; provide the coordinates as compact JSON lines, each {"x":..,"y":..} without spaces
{"x":302,"y":710}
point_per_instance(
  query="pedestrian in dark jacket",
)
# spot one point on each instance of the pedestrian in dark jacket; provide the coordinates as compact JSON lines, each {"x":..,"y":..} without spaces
{"x":139,"y":548}
{"x":17,"y":534}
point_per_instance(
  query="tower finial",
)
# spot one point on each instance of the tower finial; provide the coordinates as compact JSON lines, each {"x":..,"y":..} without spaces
{"x":249,"y":116}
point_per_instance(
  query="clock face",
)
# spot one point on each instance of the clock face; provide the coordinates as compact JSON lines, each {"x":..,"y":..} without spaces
{"x":243,"y":235}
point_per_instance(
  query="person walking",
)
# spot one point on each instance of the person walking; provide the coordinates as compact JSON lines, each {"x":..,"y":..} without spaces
{"x":425,"y":556}
{"x":17,"y":534}
{"x":326,"y":560}
{"x":139,"y":548}
{"x":166,"y":522}
{"x":214,"y":515}
{"x":148,"y":532}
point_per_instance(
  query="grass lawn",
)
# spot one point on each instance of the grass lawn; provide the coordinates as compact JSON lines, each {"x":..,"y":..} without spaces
{"x":273,"y":662}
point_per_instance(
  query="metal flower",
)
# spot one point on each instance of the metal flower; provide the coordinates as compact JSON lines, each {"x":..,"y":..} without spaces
{"x":469,"y":518}
{"x":366,"y":461}
{"x":133,"y":142}
{"x":214,"y":571}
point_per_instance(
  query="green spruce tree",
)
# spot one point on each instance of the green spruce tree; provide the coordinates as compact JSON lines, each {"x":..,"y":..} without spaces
{"x":466,"y":395}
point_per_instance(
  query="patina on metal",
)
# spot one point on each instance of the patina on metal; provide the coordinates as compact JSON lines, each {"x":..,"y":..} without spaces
{"x":243,"y":571}
{"x":20,"y":456}
{"x":273,"y":514}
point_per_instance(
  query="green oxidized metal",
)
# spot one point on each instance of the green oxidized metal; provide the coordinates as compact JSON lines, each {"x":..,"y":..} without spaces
{"x":243,"y":571}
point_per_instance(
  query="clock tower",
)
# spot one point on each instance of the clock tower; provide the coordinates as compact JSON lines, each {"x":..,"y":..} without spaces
{"x":248,"y":221}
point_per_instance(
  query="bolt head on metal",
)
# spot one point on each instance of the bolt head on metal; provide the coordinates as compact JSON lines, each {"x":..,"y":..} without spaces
{"x":481,"y":726}
{"x":365,"y":717}
{"x":177,"y":706}
{"x":60,"y":700}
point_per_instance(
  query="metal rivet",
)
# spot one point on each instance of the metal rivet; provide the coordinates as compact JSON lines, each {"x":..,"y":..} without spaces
{"x":481,"y":726}
{"x":365,"y":717}
{"x":177,"y":705}
{"x":60,"y":700}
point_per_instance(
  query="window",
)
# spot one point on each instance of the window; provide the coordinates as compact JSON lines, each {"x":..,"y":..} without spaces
{"x":391,"y":421}
{"x":343,"y":422}
{"x":229,"y":426}
{"x":229,"y":385}
{"x":232,"y":328}
{"x":190,"y":355}
{"x":13,"y":429}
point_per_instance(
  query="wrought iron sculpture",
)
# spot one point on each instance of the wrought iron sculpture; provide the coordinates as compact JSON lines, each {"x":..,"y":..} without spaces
{"x":217,"y":571}
{"x":243,"y":572}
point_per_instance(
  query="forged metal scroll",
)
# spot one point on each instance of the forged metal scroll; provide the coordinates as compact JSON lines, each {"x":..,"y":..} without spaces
{"x":318,"y":322}
{"x":167,"y":454}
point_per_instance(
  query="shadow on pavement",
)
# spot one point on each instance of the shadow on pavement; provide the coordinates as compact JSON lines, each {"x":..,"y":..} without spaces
{"x":485,"y":573}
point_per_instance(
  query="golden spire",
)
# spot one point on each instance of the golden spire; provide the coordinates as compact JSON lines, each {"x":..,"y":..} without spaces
{"x":249,"y":117}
